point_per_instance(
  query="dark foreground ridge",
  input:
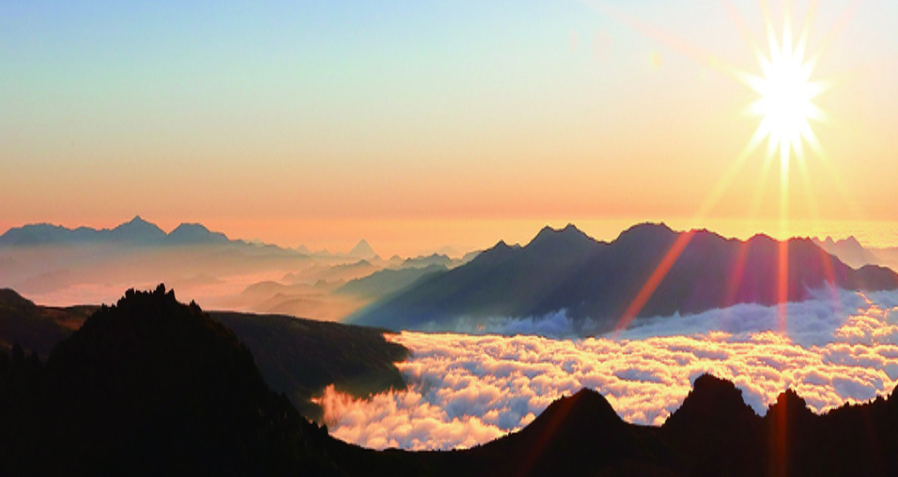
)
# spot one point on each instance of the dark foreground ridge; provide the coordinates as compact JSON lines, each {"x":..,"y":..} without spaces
{"x":149,"y":387}
{"x":154,"y":387}
{"x":297,"y":357}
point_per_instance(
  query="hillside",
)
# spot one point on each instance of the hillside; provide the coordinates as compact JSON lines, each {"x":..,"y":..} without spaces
{"x":150,"y":387}
{"x":297,"y":357}
{"x":301,"y":357}
{"x":36,"y":328}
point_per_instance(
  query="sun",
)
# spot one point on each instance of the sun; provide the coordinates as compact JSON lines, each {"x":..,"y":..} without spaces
{"x":786,"y":96}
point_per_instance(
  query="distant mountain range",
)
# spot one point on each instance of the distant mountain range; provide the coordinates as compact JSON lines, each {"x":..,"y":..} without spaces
{"x":596,"y":282}
{"x":137,"y":232}
{"x":849,"y":250}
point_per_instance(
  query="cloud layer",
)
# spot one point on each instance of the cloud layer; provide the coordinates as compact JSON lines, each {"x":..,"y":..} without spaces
{"x":466,"y":390}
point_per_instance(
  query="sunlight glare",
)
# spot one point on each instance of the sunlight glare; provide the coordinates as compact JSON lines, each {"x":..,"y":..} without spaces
{"x":786,"y":92}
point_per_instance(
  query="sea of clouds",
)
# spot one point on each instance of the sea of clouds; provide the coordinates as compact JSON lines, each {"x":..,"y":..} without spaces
{"x":465,"y":389}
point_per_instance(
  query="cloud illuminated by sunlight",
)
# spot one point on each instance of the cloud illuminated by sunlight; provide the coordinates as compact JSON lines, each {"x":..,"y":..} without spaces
{"x":466,"y":390}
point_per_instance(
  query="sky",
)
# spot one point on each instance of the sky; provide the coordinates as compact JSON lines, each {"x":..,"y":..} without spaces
{"x":417,"y":124}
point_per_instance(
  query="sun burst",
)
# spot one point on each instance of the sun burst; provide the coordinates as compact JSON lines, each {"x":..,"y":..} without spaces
{"x":787,"y":93}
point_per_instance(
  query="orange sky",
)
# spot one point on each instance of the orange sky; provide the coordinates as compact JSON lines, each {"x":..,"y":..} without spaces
{"x":457,"y":125}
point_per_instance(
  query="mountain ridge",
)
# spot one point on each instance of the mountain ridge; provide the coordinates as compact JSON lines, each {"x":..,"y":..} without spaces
{"x":151,"y":386}
{"x":136,"y":232}
{"x":597,"y":281}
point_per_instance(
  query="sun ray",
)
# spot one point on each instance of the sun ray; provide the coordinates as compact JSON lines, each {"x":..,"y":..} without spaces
{"x":670,"y":258}
{"x":785,"y":110}
{"x":828,"y":270}
{"x":747,"y":36}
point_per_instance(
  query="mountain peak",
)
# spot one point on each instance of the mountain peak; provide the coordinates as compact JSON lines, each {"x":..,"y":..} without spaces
{"x":570,"y":239}
{"x":585,"y":407}
{"x":569,"y":230}
{"x":579,"y":428}
{"x":138,"y":230}
{"x":137,"y":221}
{"x":649,"y":228}
{"x":191,"y":234}
{"x":712,"y":402}
{"x":789,"y":404}
{"x":646,"y":235}
{"x":191,"y":226}
{"x":9,"y":297}
{"x":852,"y":241}
{"x":362,"y":250}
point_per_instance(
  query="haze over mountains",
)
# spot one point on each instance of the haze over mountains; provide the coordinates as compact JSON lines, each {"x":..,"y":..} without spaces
{"x":593,"y":283}
{"x":850,"y":251}
{"x":137,"y":232}
{"x":63,"y":266}
{"x":560,"y":272}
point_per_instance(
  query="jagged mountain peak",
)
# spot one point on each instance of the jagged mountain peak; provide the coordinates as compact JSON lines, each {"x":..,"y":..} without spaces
{"x":569,"y":236}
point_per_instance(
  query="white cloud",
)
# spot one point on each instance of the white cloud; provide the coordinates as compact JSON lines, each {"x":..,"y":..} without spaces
{"x":465,"y":390}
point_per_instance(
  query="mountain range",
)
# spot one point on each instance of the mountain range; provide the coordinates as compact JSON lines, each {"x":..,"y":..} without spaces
{"x":594,"y":283}
{"x":849,"y":250}
{"x":151,"y":386}
{"x":136,"y":232}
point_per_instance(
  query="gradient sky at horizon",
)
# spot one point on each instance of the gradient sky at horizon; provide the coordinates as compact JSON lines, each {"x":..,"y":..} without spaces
{"x":417,"y":124}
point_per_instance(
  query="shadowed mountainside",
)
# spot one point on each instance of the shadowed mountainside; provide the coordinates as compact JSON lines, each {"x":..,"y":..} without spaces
{"x":150,"y":387}
{"x":595,"y":282}
{"x":301,"y":357}
{"x":154,"y":387}
{"x":36,"y":328}
{"x":297,"y":357}
{"x":388,"y":281}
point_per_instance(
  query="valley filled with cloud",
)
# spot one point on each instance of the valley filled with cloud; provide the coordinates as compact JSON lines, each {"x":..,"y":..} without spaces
{"x":465,"y":389}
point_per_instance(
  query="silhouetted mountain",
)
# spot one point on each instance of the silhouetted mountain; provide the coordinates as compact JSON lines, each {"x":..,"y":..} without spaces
{"x":137,"y":232}
{"x":297,"y":357}
{"x":151,"y":387}
{"x":301,"y":357}
{"x":426,"y":261}
{"x":566,"y":270}
{"x":572,"y":435}
{"x":363,"y":251}
{"x":11,"y":299}
{"x":849,"y":250}
{"x":386,"y":282}
{"x":713,"y":431}
{"x":36,"y":328}
{"x":195,"y":234}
